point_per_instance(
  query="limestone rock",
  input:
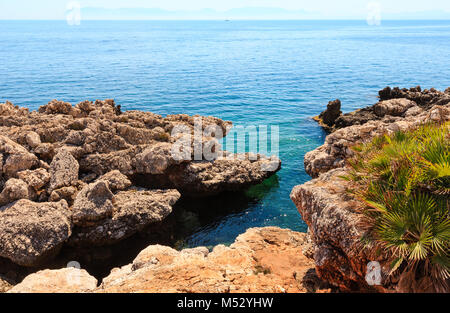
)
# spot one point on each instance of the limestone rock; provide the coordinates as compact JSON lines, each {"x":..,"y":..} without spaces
{"x":66,"y":280}
{"x":332,"y":219}
{"x":261,"y":260}
{"x":155,"y":159}
{"x":15,"y":157}
{"x":33,"y":139}
{"x":394,"y":107}
{"x":65,"y":193}
{"x":116,"y":180}
{"x":13,"y":190}
{"x":132,"y":211}
{"x":329,"y":116}
{"x":337,"y":147}
{"x":126,"y":157}
{"x":30,"y":232}
{"x":36,"y":179}
{"x":63,"y":170}
{"x":209,"y":178}
{"x":424,"y":98}
{"x":56,"y":107}
{"x":93,"y":203}
{"x":333,"y":216}
{"x":394,"y":102}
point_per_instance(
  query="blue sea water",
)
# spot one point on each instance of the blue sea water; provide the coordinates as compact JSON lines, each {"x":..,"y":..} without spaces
{"x":250,"y":72}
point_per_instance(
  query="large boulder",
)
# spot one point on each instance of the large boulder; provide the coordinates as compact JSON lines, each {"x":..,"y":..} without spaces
{"x":394,"y":107}
{"x":116,"y":180}
{"x":66,"y":280}
{"x":31,"y":232}
{"x":15,"y":158}
{"x":93,"y":203}
{"x":224,"y":174}
{"x":132,"y":210}
{"x":328,"y":117}
{"x":333,"y":224}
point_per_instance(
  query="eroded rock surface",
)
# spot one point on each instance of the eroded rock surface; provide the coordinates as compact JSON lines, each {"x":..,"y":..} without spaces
{"x":336,"y":149}
{"x":66,"y":280}
{"x":63,"y":170}
{"x":91,"y":174}
{"x":393,"y":102}
{"x":266,"y":259}
{"x":327,"y":118}
{"x":30,"y":232}
{"x":332,"y":217}
{"x":131,"y":211}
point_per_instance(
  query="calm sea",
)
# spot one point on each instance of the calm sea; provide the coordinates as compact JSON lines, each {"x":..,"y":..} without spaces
{"x":249,"y":72}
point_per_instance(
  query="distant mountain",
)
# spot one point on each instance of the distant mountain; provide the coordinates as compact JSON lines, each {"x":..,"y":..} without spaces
{"x":91,"y":13}
{"x":155,"y":13}
{"x":424,"y":15}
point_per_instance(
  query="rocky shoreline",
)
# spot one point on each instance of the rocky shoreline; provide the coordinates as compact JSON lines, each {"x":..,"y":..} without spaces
{"x":91,"y":175}
{"x":332,"y":215}
{"x":266,"y":259}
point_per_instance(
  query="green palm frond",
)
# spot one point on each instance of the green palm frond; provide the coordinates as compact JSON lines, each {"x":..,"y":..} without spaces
{"x":404,"y":180}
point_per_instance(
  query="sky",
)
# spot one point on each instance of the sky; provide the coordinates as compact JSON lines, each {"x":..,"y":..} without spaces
{"x":322,"y":9}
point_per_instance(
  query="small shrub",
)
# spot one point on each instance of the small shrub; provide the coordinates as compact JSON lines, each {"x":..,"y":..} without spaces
{"x":404,"y":180}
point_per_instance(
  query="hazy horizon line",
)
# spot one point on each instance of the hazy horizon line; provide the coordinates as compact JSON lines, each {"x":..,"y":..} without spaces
{"x":230,"y":19}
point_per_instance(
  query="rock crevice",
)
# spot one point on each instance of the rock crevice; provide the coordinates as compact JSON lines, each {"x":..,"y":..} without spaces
{"x":69,"y":174}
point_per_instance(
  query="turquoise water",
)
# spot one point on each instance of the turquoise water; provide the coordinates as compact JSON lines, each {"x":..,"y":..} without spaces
{"x":249,"y":72}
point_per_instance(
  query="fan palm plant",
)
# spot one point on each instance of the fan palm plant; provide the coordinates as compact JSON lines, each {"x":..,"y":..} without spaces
{"x":404,"y":181}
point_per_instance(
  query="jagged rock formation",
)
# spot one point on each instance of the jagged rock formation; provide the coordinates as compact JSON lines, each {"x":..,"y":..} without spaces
{"x":393,"y":102}
{"x":391,"y":116}
{"x":327,"y":118}
{"x":333,"y":216}
{"x":30,"y":232}
{"x":91,"y":174}
{"x":261,"y":260}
